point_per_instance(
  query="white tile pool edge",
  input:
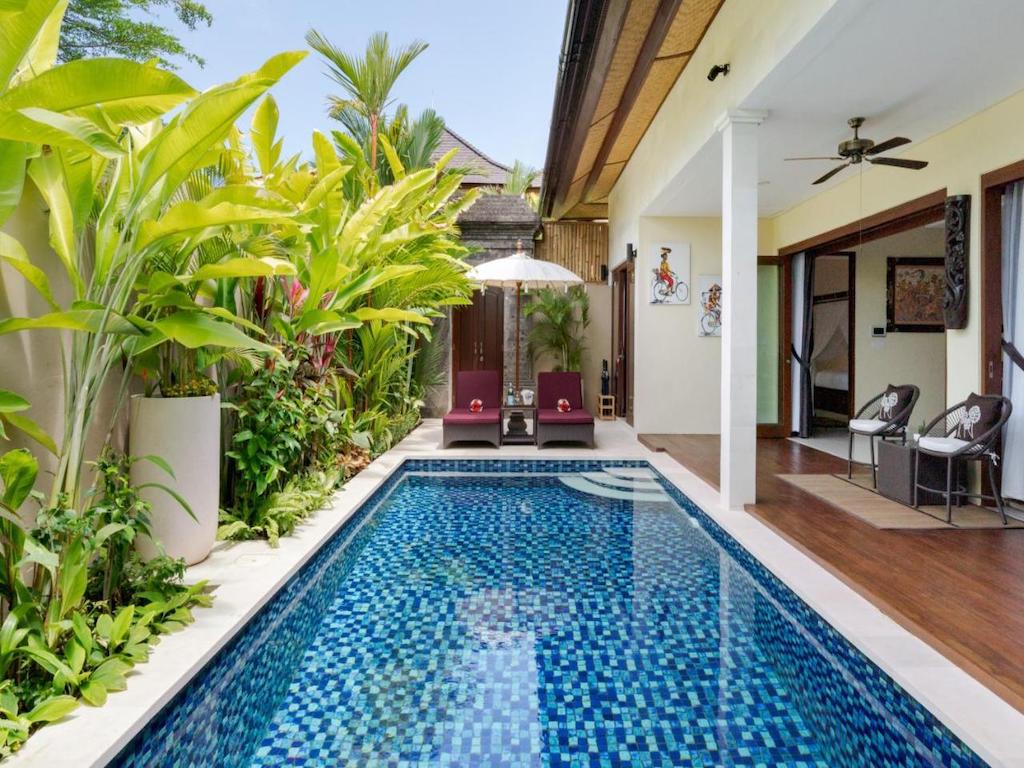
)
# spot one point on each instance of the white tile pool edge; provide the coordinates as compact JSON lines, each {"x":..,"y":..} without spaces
{"x":248,"y":574}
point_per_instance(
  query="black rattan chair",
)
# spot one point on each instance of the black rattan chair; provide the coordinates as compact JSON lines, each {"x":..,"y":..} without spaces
{"x":885,"y":416}
{"x":961,"y":434}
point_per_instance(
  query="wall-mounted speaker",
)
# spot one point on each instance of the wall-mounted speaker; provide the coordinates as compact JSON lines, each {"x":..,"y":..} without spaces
{"x":630,"y":252}
{"x":604,"y":273}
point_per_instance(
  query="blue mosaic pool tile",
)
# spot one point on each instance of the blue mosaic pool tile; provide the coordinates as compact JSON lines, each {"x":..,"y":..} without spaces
{"x":502,"y":619}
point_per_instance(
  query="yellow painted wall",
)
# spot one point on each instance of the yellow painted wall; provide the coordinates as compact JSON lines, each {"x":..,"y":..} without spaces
{"x":899,"y":358}
{"x":957,"y":158}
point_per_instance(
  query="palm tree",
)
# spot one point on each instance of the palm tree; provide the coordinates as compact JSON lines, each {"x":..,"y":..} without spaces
{"x":520,"y":179}
{"x":414,"y":139}
{"x":560,"y":319}
{"x":367,"y":80}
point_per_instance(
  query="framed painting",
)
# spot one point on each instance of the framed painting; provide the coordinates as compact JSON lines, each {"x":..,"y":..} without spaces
{"x":709,"y":314}
{"x":670,"y":278}
{"x":915,"y":286}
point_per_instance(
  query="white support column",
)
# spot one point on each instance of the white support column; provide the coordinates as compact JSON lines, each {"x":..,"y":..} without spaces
{"x":739,"y":307}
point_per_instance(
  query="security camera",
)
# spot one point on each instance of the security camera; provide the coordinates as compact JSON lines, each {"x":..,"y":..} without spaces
{"x":718,"y":69}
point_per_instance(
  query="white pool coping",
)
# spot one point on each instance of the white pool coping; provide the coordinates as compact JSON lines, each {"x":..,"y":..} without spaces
{"x":247,"y":574}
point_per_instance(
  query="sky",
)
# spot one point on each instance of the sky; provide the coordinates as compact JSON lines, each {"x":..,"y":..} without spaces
{"x":490,"y":69}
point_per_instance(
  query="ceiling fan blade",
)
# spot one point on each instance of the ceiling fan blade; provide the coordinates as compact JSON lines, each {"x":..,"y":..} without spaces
{"x":813,"y":158}
{"x":885,"y":146}
{"x":898,"y":162}
{"x":831,"y":173}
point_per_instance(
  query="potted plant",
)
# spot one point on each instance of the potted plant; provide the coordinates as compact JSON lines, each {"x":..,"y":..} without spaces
{"x":178,"y":419}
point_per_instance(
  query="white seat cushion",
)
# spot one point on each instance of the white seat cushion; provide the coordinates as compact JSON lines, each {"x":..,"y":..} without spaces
{"x":942,"y":444}
{"x":866,"y":426}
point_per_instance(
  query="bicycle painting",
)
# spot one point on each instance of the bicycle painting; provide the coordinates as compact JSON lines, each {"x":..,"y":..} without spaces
{"x":670,"y":281}
{"x":710,"y":315}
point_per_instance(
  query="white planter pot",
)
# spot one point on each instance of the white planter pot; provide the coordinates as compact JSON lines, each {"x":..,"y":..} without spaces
{"x":185,"y":432}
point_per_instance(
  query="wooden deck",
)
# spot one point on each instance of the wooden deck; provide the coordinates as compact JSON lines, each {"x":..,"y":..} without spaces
{"x":962,"y":591}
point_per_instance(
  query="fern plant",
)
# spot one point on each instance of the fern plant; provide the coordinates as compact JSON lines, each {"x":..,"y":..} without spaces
{"x":560,"y":320}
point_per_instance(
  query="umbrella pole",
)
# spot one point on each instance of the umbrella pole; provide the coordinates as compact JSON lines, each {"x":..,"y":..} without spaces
{"x":519,"y":288}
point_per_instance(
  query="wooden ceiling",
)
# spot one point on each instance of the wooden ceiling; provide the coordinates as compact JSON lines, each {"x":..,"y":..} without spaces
{"x":620,"y":58}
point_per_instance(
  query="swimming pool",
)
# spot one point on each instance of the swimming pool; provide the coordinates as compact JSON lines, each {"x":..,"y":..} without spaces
{"x":539,"y":613}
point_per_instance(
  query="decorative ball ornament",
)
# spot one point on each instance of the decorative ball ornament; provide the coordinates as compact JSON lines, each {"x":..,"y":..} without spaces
{"x":476,"y":405}
{"x":563,"y":405}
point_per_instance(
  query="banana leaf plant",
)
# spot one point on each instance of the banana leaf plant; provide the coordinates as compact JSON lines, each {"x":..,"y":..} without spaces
{"x":111,"y":174}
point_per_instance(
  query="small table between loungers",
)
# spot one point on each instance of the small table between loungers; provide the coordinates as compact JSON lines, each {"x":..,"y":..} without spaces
{"x":517,"y":433}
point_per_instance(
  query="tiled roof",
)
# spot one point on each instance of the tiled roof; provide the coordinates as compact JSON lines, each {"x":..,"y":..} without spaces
{"x":503,"y":209}
{"x":483,"y":170}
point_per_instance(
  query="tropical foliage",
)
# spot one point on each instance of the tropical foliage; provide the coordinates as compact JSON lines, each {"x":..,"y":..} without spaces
{"x":195,"y":256}
{"x":367,"y":80}
{"x":520,"y":182}
{"x":120,"y":28}
{"x":560,"y":320}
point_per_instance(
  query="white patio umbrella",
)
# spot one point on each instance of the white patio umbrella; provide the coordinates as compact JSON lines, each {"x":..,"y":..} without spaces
{"x":519,"y":271}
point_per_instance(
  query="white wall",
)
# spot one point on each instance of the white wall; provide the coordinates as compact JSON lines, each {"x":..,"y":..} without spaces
{"x":754,"y":36}
{"x":677,"y":373}
{"x":899,"y":358}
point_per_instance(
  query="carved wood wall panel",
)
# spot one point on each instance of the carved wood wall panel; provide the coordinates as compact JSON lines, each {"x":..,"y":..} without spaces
{"x":958,"y":243}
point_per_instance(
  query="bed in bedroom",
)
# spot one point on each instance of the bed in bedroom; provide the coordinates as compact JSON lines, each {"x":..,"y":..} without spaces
{"x":832,"y":392}
{"x":831,"y":366}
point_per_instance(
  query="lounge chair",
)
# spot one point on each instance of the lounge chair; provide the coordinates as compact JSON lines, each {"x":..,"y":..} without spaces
{"x":576,"y":425}
{"x":886,"y":416}
{"x":463,"y":424}
{"x":966,"y":432}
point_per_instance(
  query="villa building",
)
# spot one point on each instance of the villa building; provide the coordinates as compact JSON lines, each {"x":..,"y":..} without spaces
{"x":807,"y":270}
{"x":677,"y":121}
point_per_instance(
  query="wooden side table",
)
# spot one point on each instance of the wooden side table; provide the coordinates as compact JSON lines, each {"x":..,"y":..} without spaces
{"x":606,"y":407}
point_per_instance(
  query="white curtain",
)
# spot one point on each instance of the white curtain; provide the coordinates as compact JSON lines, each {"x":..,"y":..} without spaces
{"x":1013,"y":332}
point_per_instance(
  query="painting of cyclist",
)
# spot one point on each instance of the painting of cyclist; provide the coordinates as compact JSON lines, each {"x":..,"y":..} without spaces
{"x":710,"y":318}
{"x":670,"y":276}
{"x":665,"y":271}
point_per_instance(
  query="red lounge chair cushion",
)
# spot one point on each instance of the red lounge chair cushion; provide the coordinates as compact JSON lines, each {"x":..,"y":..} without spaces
{"x":554,"y":416}
{"x":486,"y":416}
{"x":554,"y":386}
{"x":477,"y":385}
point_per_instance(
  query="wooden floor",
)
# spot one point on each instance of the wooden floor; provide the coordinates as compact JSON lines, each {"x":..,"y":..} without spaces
{"x":962,"y":591}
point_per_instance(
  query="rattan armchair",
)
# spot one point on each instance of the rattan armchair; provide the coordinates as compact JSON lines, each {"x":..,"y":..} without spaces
{"x":882,"y":419}
{"x":951,"y":436}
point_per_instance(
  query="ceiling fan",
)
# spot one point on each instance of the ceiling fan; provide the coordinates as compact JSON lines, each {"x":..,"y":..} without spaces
{"x":856,"y":150}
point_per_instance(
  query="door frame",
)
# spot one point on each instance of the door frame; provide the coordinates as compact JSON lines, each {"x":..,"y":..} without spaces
{"x":623,"y":283}
{"x":891,"y":221}
{"x":851,"y":322}
{"x":458,"y":316}
{"x":993,"y":184}
{"x":782,"y":427}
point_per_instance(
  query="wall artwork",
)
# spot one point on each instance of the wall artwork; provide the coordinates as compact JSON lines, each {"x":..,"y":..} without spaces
{"x":915,"y":289}
{"x":709,"y":315}
{"x":670,"y":281}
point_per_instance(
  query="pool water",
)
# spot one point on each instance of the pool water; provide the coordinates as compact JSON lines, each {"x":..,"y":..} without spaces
{"x":529,"y":613}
